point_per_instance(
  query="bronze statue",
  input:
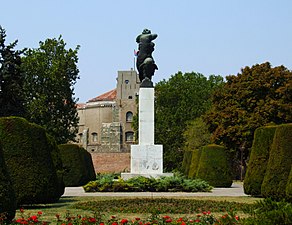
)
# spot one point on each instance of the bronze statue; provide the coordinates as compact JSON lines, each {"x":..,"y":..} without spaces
{"x":145,"y":62}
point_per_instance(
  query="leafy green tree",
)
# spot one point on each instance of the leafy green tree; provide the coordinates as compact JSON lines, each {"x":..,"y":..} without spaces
{"x":11,"y":79}
{"x":51,"y":72}
{"x":179,"y":100}
{"x":196,"y":134}
{"x":258,"y":96}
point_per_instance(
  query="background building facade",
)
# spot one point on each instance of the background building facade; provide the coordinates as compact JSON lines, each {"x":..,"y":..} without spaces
{"x":105,"y":122}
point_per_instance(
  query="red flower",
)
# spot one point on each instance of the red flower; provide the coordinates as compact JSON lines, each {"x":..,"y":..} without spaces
{"x":180,"y":219}
{"x":183,"y":223}
{"x":166,"y":217}
{"x":197,"y":221}
{"x":40,"y":213}
{"x":92,"y":220}
{"x":114,"y":223}
{"x":124,"y":221}
{"x":237,"y":217}
{"x":101,"y":223}
{"x":21,"y":210}
{"x":168,"y":221}
{"x":137,"y":218}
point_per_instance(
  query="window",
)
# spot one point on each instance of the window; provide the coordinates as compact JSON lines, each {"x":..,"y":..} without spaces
{"x":129,"y":116}
{"x":126,"y":81}
{"x":129,"y":136}
{"x":94,"y":137}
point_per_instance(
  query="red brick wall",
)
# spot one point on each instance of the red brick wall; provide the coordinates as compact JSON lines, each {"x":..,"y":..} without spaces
{"x":111,"y":162}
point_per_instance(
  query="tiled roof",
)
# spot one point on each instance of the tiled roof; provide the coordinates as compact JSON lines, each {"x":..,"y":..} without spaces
{"x":108,"y":96}
{"x":80,"y":105}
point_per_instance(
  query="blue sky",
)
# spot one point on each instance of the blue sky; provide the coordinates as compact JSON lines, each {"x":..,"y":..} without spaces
{"x":206,"y":36}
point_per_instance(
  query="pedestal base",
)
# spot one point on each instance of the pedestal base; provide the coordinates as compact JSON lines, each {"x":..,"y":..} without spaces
{"x":146,"y":161}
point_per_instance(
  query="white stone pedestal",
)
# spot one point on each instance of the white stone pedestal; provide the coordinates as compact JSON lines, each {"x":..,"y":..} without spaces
{"x":146,"y":158}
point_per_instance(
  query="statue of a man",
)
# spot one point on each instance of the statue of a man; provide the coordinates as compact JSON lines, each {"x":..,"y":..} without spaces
{"x":145,"y":62}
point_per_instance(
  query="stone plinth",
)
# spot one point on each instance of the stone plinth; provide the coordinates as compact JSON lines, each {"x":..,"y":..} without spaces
{"x":146,"y":158}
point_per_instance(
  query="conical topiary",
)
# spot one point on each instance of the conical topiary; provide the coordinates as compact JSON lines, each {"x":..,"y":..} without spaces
{"x":258,"y":160}
{"x":279,"y":165}
{"x":214,"y":167}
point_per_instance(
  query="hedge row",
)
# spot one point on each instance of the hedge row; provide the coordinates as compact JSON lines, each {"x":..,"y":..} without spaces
{"x":210,"y":163}
{"x":31,"y":167}
{"x":269,"y":170}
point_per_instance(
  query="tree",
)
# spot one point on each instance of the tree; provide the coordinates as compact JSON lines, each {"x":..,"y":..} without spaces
{"x":258,"y":96}
{"x":51,"y":73}
{"x":182,"y":98}
{"x":11,"y":79}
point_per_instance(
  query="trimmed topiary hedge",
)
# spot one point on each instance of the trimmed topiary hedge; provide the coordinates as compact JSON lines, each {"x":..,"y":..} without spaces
{"x":186,"y":162}
{"x":196,"y":155}
{"x":27,"y":154}
{"x":259,"y":156}
{"x":78,"y":166}
{"x":289,"y":187}
{"x":213,"y":166}
{"x":7,"y":196}
{"x":279,"y":165}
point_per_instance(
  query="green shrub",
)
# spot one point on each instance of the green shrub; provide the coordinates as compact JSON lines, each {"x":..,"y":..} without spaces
{"x":196,"y":155}
{"x":27,"y":154}
{"x":7,"y":196}
{"x":279,"y":164}
{"x":258,"y":160}
{"x":289,"y":187}
{"x":57,"y":161}
{"x":78,"y":166}
{"x":186,"y":162}
{"x":213,"y":166}
{"x":108,"y":183}
{"x":269,"y":212}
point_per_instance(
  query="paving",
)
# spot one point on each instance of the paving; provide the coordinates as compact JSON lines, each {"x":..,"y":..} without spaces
{"x":235,"y":190}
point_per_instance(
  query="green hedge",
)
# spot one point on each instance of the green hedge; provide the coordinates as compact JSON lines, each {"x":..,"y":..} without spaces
{"x":78,"y":166}
{"x":279,"y":165}
{"x":213,"y":166}
{"x":258,"y":160}
{"x":289,"y":187}
{"x":196,"y":155}
{"x":186,"y":162}
{"x":7,"y":195}
{"x":27,"y":154}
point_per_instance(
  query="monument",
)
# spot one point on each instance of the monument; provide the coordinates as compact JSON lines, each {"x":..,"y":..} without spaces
{"x":146,"y":157}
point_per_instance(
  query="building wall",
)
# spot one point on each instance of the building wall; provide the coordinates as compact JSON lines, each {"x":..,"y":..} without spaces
{"x":105,"y":126}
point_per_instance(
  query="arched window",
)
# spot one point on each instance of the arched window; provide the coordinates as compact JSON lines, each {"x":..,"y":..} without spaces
{"x":129,"y":136}
{"x":129,"y":116}
{"x":94,"y":137}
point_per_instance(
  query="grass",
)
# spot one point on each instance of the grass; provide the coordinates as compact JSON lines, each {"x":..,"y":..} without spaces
{"x":86,"y":206}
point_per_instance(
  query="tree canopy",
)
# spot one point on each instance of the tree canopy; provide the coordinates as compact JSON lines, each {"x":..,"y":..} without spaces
{"x":50,"y":73}
{"x":178,"y":100}
{"x":260,"y":95}
{"x":11,"y":79}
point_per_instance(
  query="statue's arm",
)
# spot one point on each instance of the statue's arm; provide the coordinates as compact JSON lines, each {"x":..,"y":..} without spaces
{"x":153,"y":36}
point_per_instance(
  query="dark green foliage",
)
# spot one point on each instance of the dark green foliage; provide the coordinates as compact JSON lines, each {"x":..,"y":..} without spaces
{"x":161,"y":205}
{"x":258,"y":96}
{"x":186,"y":162}
{"x":179,"y":100}
{"x":7,"y":196}
{"x":50,"y":74}
{"x":172,"y":184}
{"x":279,"y":165}
{"x":269,"y":212}
{"x":27,"y":154}
{"x":289,"y":187}
{"x":78,"y":166}
{"x":196,"y":155}
{"x":11,"y":79}
{"x":57,"y":161}
{"x":214,"y":167}
{"x":258,"y":160}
